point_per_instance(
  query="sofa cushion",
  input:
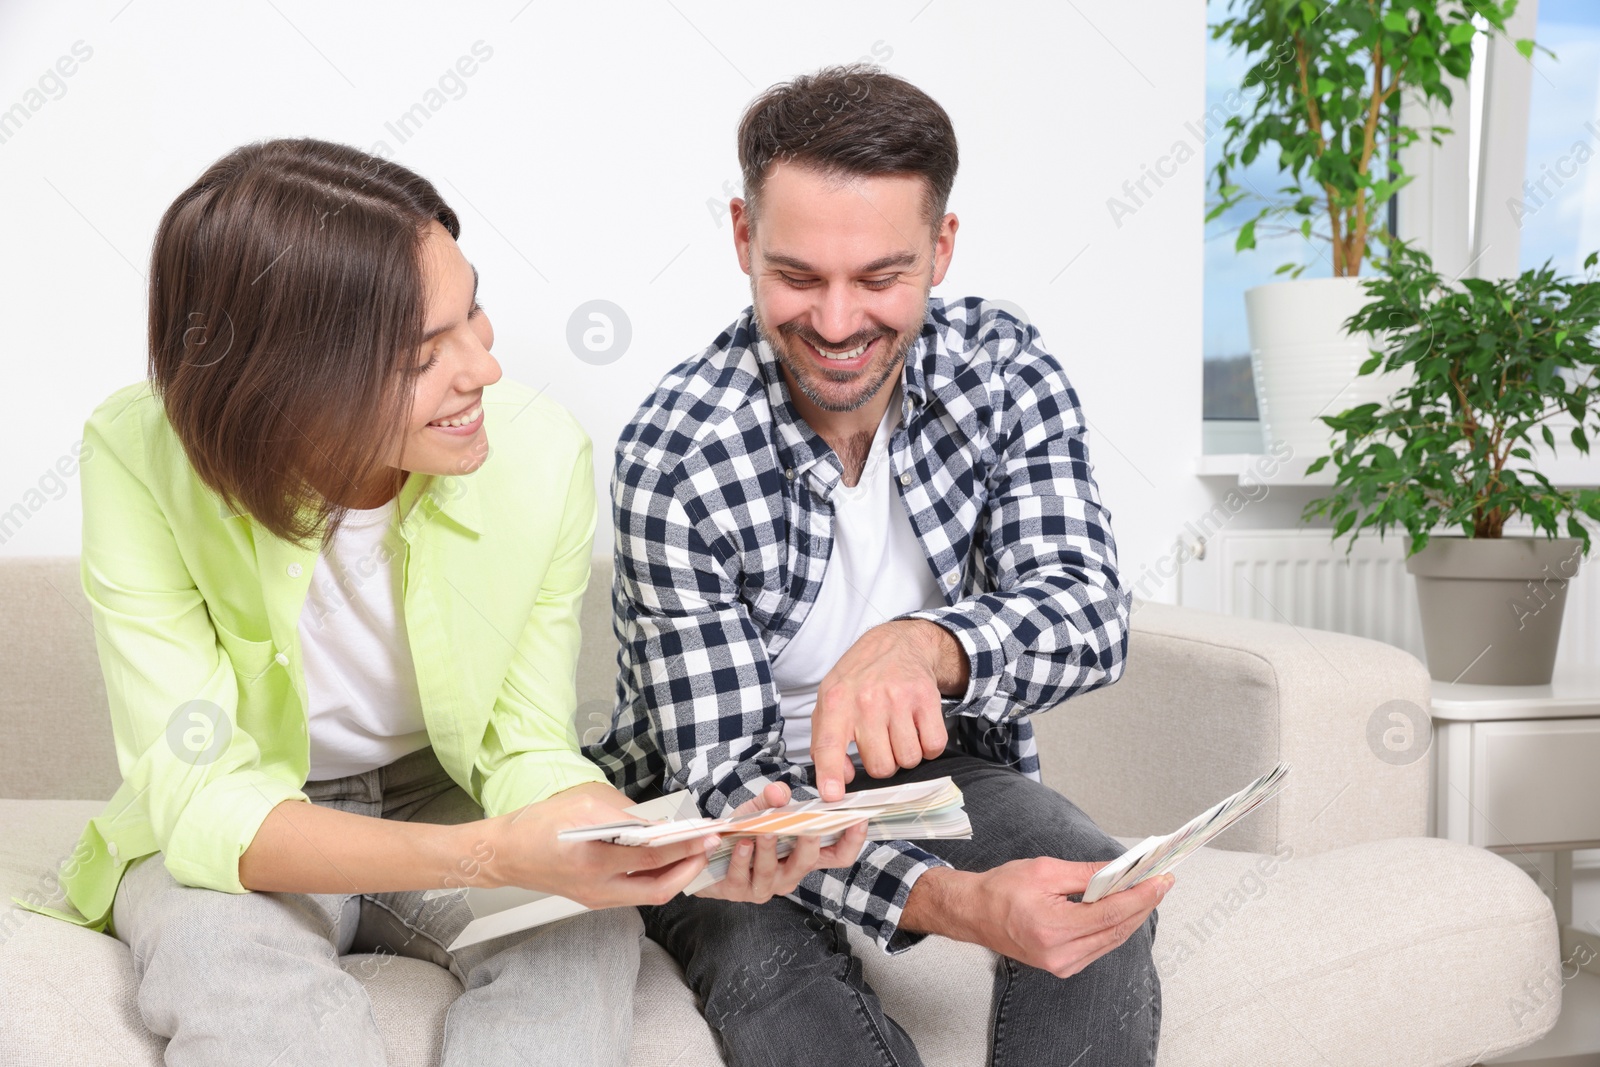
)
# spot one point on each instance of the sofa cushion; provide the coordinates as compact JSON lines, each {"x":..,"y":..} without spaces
{"x":1380,"y":953}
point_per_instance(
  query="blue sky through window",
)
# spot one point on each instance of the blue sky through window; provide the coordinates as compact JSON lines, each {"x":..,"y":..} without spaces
{"x":1560,"y":205}
{"x":1230,"y":273}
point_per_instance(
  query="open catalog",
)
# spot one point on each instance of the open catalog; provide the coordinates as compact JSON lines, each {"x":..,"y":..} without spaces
{"x":1157,"y":855}
{"x":917,"y":810}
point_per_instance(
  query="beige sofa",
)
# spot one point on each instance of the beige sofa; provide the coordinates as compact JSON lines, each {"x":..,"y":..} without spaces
{"x":1325,"y":931}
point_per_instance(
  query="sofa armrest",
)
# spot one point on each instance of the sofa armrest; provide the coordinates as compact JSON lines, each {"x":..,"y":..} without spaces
{"x":1210,"y":701}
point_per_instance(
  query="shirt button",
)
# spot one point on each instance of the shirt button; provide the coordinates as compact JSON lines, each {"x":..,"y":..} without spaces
{"x":283,"y":660}
{"x":952,"y":578}
{"x":905,"y":479}
{"x":111,"y":849}
{"x":788,"y":472}
{"x":295,"y":570}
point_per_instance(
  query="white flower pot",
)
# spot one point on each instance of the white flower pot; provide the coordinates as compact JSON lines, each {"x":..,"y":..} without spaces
{"x":1305,"y":363}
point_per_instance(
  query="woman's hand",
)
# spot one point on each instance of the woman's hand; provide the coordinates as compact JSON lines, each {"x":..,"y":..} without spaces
{"x":756,"y":874}
{"x":526,"y":852}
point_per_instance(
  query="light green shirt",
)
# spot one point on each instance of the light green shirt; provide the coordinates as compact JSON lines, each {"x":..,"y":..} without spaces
{"x":193,"y":603}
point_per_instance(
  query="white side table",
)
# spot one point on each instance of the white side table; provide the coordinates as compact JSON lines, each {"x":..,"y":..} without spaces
{"x":1517,"y":770}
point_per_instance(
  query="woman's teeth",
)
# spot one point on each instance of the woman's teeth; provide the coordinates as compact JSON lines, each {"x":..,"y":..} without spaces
{"x":464,"y":419}
{"x":851,"y":354}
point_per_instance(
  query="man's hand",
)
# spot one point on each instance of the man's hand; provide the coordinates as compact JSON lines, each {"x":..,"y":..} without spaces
{"x":1020,"y":909}
{"x":756,"y":874}
{"x":884,"y":694}
{"x":523,"y":850}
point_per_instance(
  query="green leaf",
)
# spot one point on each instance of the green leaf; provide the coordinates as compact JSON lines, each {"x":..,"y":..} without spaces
{"x":1317,"y":464}
{"x":1580,"y":439}
{"x":1247,"y":236}
{"x":1525,"y":48}
{"x":1395,"y":22}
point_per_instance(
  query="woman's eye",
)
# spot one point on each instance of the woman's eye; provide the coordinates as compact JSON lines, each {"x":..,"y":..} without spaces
{"x":477,"y":309}
{"x":433,"y":361}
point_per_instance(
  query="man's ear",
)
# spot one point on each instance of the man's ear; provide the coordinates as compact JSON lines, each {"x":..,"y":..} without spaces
{"x":944,"y":247}
{"x":739,"y":212}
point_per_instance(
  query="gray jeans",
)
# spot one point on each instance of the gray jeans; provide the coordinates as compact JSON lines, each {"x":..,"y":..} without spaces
{"x":817,"y":1008}
{"x":255,"y":978}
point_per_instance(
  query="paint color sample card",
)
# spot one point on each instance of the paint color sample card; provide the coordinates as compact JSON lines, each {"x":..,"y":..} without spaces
{"x":918,"y":810}
{"x":1157,"y":855}
{"x":930,"y":809}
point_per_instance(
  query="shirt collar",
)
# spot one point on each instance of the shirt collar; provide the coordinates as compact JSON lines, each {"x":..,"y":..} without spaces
{"x":801,"y":450}
{"x":931,"y":366}
{"x":454,"y":497}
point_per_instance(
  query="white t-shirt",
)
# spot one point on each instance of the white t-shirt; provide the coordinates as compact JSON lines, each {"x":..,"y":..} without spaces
{"x":364,"y":710}
{"x":876,"y":572}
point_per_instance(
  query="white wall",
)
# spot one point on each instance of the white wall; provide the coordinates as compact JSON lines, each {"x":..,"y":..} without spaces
{"x":581,"y":157}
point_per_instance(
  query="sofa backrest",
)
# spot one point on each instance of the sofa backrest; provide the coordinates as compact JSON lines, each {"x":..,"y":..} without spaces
{"x":55,"y":727}
{"x":55,"y":730}
{"x":1208,"y":702}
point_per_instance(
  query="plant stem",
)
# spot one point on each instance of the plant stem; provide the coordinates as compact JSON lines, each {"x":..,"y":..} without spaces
{"x":1314,"y":117}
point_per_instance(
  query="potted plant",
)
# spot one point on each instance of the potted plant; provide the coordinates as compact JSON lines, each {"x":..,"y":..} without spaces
{"x":1492,"y":366}
{"x":1324,"y":88}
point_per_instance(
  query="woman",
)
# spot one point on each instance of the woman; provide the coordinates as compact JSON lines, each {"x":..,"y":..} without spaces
{"x":312,"y":580}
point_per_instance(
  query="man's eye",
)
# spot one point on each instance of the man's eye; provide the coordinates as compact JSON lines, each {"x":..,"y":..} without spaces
{"x":798,"y":283}
{"x":880,"y":283}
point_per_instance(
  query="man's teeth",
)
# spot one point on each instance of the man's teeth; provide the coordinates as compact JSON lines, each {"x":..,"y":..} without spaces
{"x":464,"y":419}
{"x":852,"y":354}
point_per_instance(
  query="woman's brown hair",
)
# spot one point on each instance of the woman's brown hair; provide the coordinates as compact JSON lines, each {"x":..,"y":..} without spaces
{"x":286,"y":307}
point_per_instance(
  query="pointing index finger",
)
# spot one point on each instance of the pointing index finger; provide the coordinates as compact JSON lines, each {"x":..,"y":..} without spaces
{"x":829,"y":741}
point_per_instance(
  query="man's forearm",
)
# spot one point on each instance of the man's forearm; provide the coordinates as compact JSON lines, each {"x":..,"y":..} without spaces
{"x":937,"y":904}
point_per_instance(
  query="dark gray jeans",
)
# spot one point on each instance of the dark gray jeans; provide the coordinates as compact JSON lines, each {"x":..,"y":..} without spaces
{"x":255,"y":978}
{"x":819,"y":1008}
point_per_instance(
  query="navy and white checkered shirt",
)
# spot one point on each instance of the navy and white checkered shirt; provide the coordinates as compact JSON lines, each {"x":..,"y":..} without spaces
{"x":724,"y":525}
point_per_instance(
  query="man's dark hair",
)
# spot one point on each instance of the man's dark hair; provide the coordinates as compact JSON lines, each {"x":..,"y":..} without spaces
{"x":286,"y":307}
{"x":849,"y":121}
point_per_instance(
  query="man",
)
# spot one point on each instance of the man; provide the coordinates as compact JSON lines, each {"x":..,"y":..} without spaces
{"x":861,"y":528}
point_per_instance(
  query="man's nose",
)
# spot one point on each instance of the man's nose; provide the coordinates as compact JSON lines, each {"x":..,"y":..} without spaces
{"x":837,"y":316}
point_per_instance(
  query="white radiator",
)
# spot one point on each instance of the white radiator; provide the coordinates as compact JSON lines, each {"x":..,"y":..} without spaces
{"x":1304,"y":578}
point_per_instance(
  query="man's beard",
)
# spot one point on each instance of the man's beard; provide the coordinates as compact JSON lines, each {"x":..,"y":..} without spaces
{"x":804,"y":373}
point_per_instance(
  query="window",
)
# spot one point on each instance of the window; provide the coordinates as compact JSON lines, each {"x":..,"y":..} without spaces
{"x":1229,"y":392}
{"x":1559,"y":211}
